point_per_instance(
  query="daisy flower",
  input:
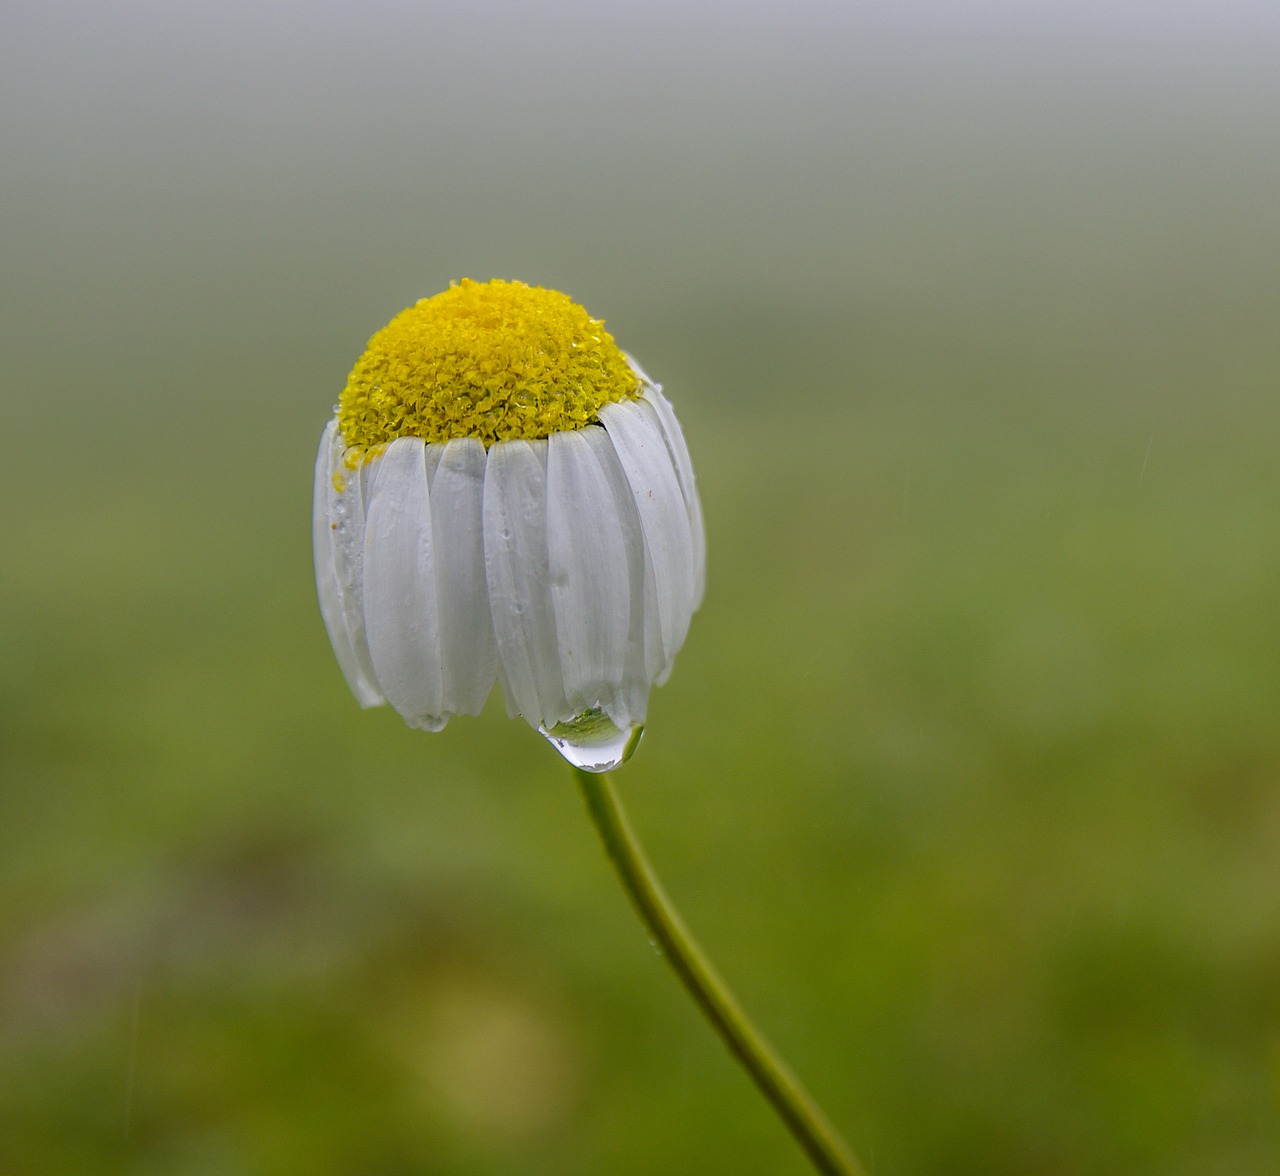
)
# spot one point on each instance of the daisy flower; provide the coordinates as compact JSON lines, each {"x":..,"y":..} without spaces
{"x":504,"y":495}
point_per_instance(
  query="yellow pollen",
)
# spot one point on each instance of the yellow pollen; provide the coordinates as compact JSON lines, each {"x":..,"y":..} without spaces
{"x":495,"y":360}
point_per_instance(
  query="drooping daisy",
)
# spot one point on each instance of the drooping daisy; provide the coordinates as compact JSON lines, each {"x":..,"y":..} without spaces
{"x":504,"y":494}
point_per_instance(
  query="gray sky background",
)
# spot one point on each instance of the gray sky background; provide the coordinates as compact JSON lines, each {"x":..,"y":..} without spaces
{"x":186,"y":182}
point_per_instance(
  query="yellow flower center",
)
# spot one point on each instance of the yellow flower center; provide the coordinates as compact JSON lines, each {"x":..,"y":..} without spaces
{"x":495,"y":360}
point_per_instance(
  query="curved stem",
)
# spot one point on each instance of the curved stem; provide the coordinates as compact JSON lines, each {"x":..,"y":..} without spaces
{"x":770,"y":1073}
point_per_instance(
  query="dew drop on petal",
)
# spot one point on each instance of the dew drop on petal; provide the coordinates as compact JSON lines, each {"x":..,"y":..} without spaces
{"x":592,"y":742}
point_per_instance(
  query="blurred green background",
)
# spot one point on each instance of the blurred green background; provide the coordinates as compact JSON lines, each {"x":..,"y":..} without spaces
{"x":967,"y":776}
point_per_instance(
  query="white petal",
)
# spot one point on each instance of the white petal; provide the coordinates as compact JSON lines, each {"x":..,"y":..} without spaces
{"x":518,"y":574}
{"x":468,"y":651}
{"x":590,"y":585}
{"x":338,"y":540}
{"x":659,"y":666}
{"x":400,"y":585}
{"x":637,"y":436}
{"x":674,"y":437}
{"x":322,"y":527}
{"x":631,"y":701}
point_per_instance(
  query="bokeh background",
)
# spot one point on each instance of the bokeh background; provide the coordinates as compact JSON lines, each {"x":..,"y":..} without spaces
{"x":968,"y":774}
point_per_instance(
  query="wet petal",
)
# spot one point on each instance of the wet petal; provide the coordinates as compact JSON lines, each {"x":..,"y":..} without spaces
{"x":637,"y":437}
{"x":469,"y":652}
{"x":338,"y":542}
{"x":644,"y":658}
{"x":518,"y":575}
{"x":590,"y":585}
{"x":400,"y":585}
{"x":679,"y":450}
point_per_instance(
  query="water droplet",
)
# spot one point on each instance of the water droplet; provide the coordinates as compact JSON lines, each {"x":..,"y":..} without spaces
{"x":592,"y":742}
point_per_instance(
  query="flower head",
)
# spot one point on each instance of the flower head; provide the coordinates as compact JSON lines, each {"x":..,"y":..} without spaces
{"x":503,"y":494}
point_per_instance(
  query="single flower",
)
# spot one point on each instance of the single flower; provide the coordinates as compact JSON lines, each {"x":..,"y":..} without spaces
{"x":503,"y":494}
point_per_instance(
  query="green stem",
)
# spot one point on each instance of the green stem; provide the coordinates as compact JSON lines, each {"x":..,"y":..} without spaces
{"x":770,"y":1073}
